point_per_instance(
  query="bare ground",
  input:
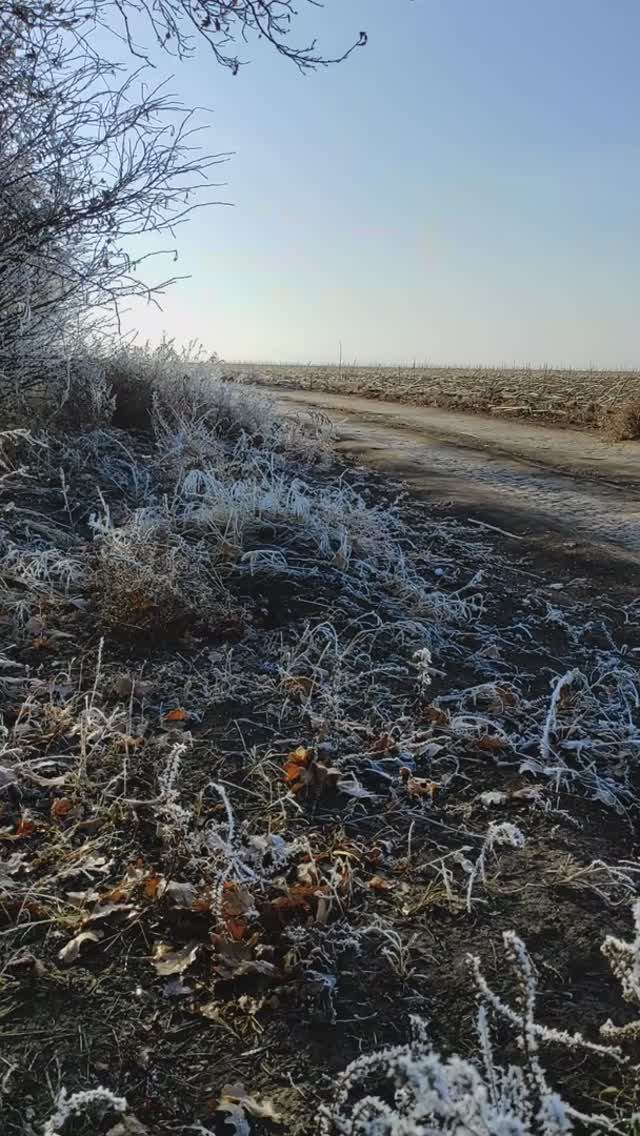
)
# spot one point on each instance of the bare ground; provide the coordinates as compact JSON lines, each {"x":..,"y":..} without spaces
{"x":565,"y":488}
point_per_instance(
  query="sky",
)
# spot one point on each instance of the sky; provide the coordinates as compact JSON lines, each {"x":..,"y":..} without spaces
{"x":464,"y":190}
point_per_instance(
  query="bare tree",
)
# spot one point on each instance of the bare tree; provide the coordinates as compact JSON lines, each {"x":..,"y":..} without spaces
{"x":92,"y":157}
{"x":88,"y":164}
{"x":177,"y":26}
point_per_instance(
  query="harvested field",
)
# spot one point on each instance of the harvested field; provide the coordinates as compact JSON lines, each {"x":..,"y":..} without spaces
{"x":295,"y":773}
{"x":574,"y":398}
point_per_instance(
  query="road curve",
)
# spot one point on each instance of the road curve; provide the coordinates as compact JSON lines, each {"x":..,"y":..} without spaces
{"x":567,"y":486}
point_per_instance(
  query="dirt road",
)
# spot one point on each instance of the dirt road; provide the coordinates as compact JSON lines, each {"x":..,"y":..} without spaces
{"x":563,"y":488}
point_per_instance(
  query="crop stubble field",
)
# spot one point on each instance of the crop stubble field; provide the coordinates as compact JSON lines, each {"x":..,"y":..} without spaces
{"x":593,"y":399}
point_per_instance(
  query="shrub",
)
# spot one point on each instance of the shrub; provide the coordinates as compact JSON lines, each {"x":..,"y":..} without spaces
{"x":57,"y":391}
{"x":624,"y":423}
{"x":178,"y":391}
{"x":136,"y":374}
{"x":148,"y":578}
{"x":202,"y":401}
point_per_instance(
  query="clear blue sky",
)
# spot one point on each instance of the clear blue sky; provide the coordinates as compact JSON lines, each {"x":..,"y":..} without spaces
{"x":465,"y":189}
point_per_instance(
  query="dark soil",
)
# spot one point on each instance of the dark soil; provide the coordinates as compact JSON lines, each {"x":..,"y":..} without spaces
{"x":285,"y":1033}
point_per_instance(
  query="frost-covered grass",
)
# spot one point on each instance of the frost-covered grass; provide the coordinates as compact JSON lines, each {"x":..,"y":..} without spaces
{"x":411,"y":1090}
{"x":277,"y":752}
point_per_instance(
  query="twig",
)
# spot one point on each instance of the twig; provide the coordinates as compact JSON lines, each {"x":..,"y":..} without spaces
{"x":494,"y":528}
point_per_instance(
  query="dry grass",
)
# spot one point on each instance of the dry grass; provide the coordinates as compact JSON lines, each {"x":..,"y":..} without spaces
{"x":623,"y":424}
{"x":564,"y":397}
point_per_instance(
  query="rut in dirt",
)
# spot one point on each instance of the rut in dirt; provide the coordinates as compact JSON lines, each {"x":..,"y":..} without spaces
{"x":530,"y":479}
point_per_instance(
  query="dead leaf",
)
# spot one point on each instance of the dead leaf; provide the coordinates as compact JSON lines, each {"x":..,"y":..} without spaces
{"x":494,"y":797}
{"x":492,"y":743}
{"x":82,"y":898}
{"x":567,"y":695}
{"x":234,"y":959}
{"x":236,"y":928}
{"x":427,"y":750}
{"x":502,"y":797}
{"x":382,"y":744}
{"x":42,"y":643}
{"x":378,"y":883}
{"x":23,"y":829}
{"x":353,"y":788}
{"x":61,"y":806}
{"x":236,"y":1117}
{"x":19,"y":906}
{"x":300,"y":686}
{"x":177,"y":715}
{"x":91,"y":824}
{"x":211,"y":1010}
{"x":94,"y":863}
{"x":71,"y":951}
{"x":296,"y":761}
{"x":436,"y":715}
{"x":154,"y":886}
{"x":301,"y":897}
{"x":418,"y":786}
{"x":25,"y":966}
{"x":126,"y":742}
{"x":228,"y":551}
{"x":302,"y":771}
{"x":176,"y":988}
{"x":202,"y":902}
{"x":135,"y":877}
{"x":236,"y":1102}
{"x":253,"y":1006}
{"x":300,"y":755}
{"x":505,"y":697}
{"x":260,"y":1107}
{"x":117,"y":911}
{"x":237,"y":909}
{"x":181,"y":893}
{"x":170,"y":960}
